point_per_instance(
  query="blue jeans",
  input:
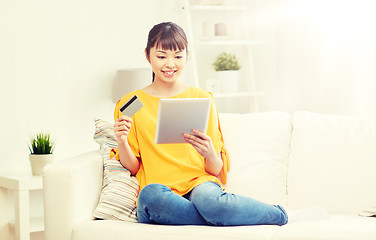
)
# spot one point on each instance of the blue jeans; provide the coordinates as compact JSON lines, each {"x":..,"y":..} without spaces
{"x":206,"y":204}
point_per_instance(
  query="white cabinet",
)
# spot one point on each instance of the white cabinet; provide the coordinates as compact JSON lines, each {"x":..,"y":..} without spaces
{"x":216,"y":28}
{"x":23,"y":224}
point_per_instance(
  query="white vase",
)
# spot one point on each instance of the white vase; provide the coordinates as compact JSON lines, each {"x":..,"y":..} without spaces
{"x":39,"y":161}
{"x":229,"y":81}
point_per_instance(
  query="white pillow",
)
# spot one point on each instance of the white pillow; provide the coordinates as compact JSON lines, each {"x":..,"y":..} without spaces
{"x":333,"y":162}
{"x":258,"y":146}
{"x":120,"y":189}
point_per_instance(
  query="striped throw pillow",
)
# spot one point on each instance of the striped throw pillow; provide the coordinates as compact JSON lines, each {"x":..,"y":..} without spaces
{"x":119,"y":189}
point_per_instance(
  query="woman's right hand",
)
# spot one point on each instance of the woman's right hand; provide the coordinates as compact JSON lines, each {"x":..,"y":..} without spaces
{"x":122,"y":127}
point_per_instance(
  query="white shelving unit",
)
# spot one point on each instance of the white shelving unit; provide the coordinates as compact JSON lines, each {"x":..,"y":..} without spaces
{"x":229,"y":42}
{"x":239,"y":94}
{"x":36,"y":224}
{"x":204,"y":49}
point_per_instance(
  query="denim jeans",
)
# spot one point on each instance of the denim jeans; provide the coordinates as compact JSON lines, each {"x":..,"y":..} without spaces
{"x":206,"y":204}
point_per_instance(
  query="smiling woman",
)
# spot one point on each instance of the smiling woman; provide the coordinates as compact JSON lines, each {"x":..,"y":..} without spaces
{"x":179,"y":181}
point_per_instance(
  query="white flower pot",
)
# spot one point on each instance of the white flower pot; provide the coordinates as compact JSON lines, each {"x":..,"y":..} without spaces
{"x":39,"y":161}
{"x":229,"y":81}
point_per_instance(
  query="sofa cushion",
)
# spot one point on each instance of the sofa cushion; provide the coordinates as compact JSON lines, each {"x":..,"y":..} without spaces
{"x":337,"y":227}
{"x":332,"y":162}
{"x":105,"y":229}
{"x":120,"y":189}
{"x":258,"y":145}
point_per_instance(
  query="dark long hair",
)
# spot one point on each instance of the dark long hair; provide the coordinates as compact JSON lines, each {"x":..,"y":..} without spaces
{"x":168,"y":36}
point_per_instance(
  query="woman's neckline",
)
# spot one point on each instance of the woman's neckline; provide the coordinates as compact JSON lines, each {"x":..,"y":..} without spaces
{"x":174,"y":96}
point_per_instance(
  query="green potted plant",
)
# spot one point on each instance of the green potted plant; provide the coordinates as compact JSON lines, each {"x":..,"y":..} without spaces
{"x":227,"y":67}
{"x":41,"y":152}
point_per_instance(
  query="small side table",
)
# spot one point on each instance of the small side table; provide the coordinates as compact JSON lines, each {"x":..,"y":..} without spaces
{"x":23,"y":225}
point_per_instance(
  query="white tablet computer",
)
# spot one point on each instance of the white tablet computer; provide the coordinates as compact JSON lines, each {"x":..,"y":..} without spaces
{"x":177,"y":116}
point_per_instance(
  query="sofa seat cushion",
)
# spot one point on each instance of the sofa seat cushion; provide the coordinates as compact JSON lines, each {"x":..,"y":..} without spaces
{"x":111,"y":229}
{"x":332,"y":162}
{"x":337,"y":227}
{"x":258,"y":146}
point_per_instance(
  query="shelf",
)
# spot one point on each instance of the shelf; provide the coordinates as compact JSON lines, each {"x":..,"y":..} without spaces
{"x":21,"y":182}
{"x":239,"y":94}
{"x":229,"y":42}
{"x":217,"y":7}
{"x":36,"y":224}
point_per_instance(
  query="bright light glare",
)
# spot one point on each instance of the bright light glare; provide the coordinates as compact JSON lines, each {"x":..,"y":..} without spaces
{"x":336,"y":16}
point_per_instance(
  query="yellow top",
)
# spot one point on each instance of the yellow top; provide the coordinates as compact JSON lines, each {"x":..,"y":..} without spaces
{"x":178,"y":166}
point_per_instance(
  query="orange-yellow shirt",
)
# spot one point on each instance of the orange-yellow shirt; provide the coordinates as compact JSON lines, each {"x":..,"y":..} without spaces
{"x":178,"y":166}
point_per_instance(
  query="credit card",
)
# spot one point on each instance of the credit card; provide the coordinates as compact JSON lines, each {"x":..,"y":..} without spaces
{"x":131,"y":106}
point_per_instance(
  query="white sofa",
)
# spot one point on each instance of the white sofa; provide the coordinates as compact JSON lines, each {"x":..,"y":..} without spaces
{"x":297,"y":161}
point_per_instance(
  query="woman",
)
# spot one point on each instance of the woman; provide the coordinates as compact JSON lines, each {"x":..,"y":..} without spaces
{"x":180,"y":183}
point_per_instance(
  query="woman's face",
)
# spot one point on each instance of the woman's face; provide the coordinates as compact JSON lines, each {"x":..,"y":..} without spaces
{"x":167,"y":64}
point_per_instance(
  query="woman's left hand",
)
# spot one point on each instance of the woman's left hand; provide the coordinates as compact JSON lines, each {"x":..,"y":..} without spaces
{"x":202,"y":143}
{"x":204,"y":146}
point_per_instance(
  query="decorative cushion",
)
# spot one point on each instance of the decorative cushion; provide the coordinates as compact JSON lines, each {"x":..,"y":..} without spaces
{"x":120,"y":189}
{"x":258,"y":146}
{"x":332,"y":162}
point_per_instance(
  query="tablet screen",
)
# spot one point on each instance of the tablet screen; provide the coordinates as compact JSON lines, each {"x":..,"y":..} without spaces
{"x":177,"y":116}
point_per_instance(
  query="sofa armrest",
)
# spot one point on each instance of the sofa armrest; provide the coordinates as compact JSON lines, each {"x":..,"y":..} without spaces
{"x":71,"y":193}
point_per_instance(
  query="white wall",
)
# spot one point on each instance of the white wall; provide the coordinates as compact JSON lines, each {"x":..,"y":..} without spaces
{"x":57,"y":63}
{"x":58,"y":60}
{"x":320,"y":56}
